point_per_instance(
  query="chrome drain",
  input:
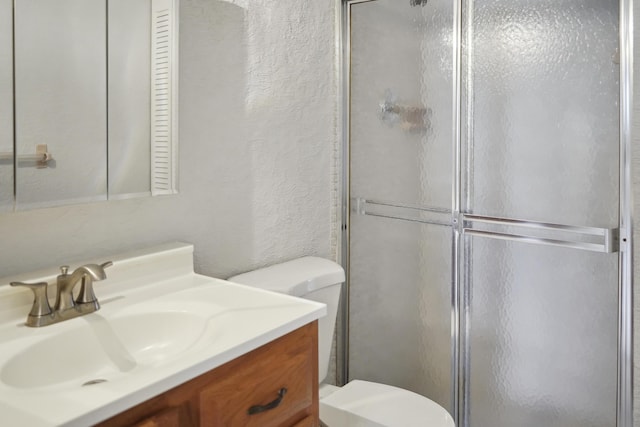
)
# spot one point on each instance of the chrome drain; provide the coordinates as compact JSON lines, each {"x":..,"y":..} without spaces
{"x":92,"y":382}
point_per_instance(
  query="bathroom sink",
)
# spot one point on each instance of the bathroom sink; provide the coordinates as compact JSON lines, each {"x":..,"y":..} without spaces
{"x":159,"y":325}
{"x":101,"y":349}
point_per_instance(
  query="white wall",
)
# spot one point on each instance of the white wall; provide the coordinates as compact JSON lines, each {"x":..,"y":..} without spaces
{"x":257,"y":135}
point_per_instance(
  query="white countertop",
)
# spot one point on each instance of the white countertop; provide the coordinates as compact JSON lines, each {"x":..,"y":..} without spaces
{"x":155,"y":289}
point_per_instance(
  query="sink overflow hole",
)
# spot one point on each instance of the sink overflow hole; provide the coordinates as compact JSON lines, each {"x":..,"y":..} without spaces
{"x":92,"y":382}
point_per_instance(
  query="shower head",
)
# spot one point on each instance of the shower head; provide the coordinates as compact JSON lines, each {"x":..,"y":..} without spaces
{"x":418,"y":2}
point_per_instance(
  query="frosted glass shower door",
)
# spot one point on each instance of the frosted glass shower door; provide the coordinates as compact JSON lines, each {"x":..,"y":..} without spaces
{"x":400,"y":305}
{"x":542,"y":336}
{"x":519,"y":248}
{"x":540,"y":210}
{"x":541,"y":110}
{"x":400,"y":184}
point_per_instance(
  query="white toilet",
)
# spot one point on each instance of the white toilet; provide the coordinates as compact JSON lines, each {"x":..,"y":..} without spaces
{"x":359,"y":403}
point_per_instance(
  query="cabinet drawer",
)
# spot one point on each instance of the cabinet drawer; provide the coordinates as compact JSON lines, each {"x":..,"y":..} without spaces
{"x":310,"y":421}
{"x":286,"y":364}
{"x":167,"y":418}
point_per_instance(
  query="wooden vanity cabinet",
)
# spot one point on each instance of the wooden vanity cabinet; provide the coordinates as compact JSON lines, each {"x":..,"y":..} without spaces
{"x":223,"y":397}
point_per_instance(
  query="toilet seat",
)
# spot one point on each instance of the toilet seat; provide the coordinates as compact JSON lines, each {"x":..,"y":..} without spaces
{"x":368,"y":404}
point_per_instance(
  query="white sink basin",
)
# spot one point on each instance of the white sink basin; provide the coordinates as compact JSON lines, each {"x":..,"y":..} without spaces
{"x":102,"y":349}
{"x":160,"y":325}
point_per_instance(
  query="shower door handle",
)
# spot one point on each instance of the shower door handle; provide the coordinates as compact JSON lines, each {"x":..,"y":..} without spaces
{"x":605,"y":240}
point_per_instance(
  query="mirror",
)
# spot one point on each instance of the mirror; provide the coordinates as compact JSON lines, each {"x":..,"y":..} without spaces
{"x":6,"y":105}
{"x":93,"y":114}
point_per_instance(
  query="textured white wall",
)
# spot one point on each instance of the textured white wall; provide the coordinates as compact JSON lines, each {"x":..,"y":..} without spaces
{"x":257,"y":133}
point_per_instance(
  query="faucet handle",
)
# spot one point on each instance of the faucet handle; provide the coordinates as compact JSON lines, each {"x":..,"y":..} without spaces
{"x":40,"y":305}
{"x":86,"y":294}
{"x":64,"y":270}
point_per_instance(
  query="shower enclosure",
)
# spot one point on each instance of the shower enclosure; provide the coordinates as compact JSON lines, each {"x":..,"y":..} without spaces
{"x":486,"y":194}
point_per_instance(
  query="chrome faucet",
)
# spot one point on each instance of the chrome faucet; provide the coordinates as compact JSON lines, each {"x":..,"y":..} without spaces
{"x":65,"y":306}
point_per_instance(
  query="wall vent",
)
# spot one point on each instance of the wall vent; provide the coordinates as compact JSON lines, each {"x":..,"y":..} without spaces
{"x":163,"y":97}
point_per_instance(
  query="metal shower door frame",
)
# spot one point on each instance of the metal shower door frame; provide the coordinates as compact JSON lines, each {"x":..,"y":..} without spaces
{"x":610,"y":240}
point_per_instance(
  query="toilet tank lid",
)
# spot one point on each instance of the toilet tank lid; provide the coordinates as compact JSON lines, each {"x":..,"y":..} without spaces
{"x":296,"y":277}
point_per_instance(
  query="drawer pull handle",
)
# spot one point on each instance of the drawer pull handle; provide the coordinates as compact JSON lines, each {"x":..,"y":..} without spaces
{"x":271,"y":405}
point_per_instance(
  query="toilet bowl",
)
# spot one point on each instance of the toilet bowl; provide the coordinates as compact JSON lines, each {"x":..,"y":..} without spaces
{"x":359,"y":403}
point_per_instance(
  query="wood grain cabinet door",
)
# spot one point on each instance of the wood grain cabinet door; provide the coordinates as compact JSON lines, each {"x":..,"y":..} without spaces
{"x":274,"y":388}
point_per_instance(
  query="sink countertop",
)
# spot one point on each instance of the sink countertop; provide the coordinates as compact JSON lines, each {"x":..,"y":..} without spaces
{"x":151,"y":290}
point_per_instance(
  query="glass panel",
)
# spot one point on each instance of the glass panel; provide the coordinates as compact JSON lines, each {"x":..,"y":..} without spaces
{"x":6,"y":105}
{"x":60,"y":54}
{"x":401,"y":102}
{"x":400,"y":305}
{"x":542,"y":336}
{"x":129,"y":98}
{"x":542,"y":110}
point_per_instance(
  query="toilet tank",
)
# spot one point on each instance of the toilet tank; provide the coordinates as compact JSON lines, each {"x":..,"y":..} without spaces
{"x":312,"y":278}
